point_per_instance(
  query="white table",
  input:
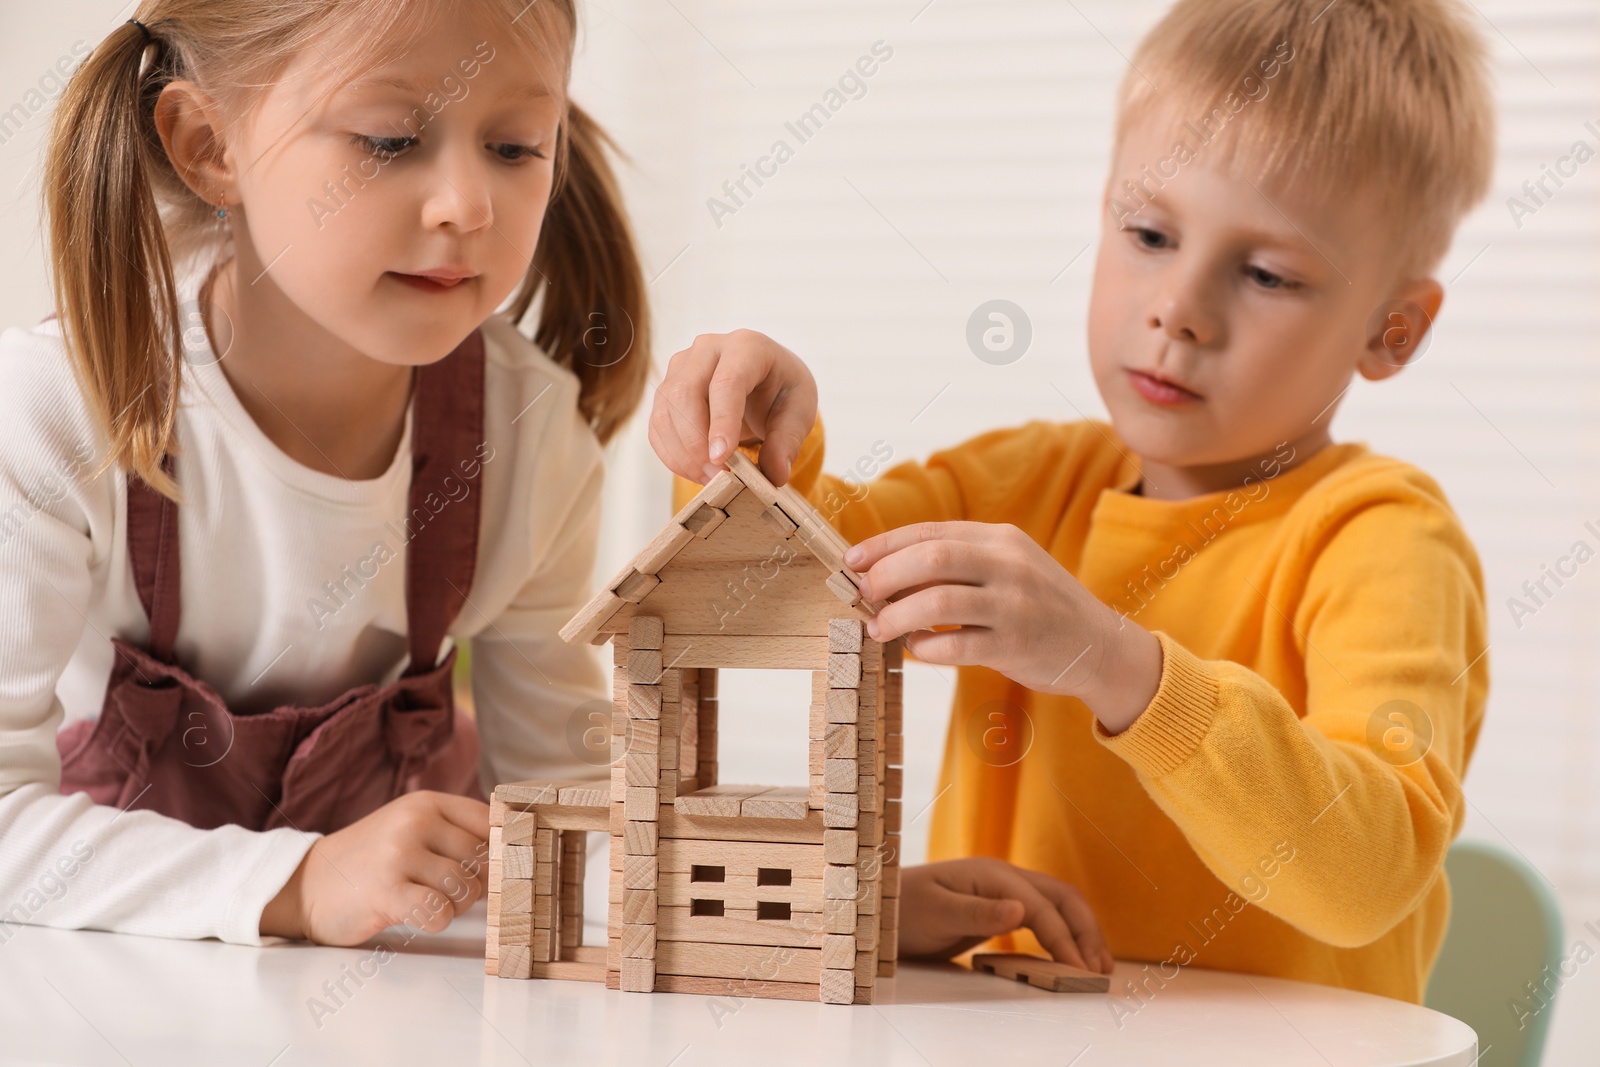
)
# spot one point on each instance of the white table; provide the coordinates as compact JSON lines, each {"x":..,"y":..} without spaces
{"x":91,"y":998}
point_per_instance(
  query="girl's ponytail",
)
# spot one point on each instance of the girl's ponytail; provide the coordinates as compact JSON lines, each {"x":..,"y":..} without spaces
{"x":112,"y":269}
{"x":594,"y":318}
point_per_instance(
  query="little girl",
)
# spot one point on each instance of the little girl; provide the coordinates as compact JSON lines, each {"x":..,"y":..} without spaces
{"x":285,"y":447}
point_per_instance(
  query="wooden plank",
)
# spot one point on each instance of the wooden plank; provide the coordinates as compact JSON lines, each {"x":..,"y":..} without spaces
{"x":596,"y":794}
{"x":787,"y":802}
{"x":636,"y":587}
{"x":655,"y":555}
{"x":704,"y":522}
{"x":797,"y":831}
{"x":802,"y":861}
{"x":722,"y":801}
{"x":717,"y":650}
{"x":739,"y":892}
{"x":802,"y":930}
{"x":1042,"y":973}
{"x":756,"y":962}
{"x":735,"y":987}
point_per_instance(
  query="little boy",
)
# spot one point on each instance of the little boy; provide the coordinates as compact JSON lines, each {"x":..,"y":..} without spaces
{"x":1239,"y":668}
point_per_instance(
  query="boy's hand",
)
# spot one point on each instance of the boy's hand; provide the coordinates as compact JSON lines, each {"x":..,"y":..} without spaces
{"x":1019,"y":612}
{"x":726,"y":388}
{"x":947,"y":908}
{"x":421,"y":859}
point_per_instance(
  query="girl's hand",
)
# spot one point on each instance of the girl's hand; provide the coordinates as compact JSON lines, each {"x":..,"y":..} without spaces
{"x":1019,"y":612}
{"x":724,"y":389}
{"x":421,"y":859}
{"x":947,"y":908}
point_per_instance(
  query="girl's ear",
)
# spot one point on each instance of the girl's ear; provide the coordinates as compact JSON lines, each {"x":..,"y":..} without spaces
{"x":193,"y":133}
{"x":1398,"y":332}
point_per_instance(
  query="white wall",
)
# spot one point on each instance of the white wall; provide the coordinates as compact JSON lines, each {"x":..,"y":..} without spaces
{"x":969,"y":171}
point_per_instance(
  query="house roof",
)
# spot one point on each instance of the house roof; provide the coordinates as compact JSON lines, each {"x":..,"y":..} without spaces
{"x":787,"y":512}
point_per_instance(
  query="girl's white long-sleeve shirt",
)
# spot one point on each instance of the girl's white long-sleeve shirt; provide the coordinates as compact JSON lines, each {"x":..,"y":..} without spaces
{"x":293,"y":591}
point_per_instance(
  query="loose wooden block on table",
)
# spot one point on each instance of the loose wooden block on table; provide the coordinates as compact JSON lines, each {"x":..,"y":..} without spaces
{"x":1043,"y":973}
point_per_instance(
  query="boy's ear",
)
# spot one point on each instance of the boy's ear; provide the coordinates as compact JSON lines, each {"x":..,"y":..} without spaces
{"x":1398,"y":331}
{"x":190,"y":125}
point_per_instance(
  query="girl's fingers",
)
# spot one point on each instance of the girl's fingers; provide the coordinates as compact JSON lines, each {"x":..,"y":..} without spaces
{"x":732,"y":383}
{"x":444,"y":838}
{"x":470,"y":815}
{"x":966,"y":647}
{"x":789,"y":419}
{"x":445,"y":878}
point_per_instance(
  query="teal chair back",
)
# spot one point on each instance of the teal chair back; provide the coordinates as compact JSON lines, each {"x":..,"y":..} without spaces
{"x":1505,"y":930}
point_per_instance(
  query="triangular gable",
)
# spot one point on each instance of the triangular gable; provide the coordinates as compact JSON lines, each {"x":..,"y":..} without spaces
{"x":787,"y":512}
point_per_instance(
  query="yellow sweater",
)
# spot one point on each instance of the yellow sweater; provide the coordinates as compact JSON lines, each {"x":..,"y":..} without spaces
{"x":1269,"y":812}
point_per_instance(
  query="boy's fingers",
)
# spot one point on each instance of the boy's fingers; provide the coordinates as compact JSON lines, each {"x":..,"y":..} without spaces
{"x":870,"y":551}
{"x":1041,"y":915}
{"x":983,"y":916}
{"x":945,"y":605}
{"x":942,"y":561}
{"x":1085,"y":927}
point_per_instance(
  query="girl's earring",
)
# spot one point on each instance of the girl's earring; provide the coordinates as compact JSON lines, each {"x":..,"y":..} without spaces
{"x":222,"y":211}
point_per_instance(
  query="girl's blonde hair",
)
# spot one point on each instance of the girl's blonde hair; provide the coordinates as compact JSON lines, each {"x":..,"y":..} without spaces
{"x":120,"y":216}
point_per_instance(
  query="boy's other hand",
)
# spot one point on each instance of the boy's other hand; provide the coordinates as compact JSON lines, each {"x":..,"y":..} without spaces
{"x":727,"y":388}
{"x":1014,"y":609}
{"x":421,"y":859}
{"x":947,"y":908}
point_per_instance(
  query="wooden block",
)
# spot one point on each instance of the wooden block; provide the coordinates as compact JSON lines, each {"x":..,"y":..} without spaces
{"x":516,"y":961}
{"x":692,"y":827}
{"x":870,"y":796}
{"x":841,"y":776}
{"x":891,"y":816}
{"x":889,"y":880}
{"x":706,"y":679}
{"x":840,"y":916}
{"x":497,"y":810}
{"x":760,"y":962}
{"x":516,"y":929}
{"x":636,"y":586}
{"x":839,"y":846}
{"x":644,"y":701}
{"x":644,"y":666}
{"x":639,"y":905}
{"x":738,"y":650}
{"x":886,"y":968}
{"x":1043,"y":973}
{"x":780,"y":522}
{"x":838,"y":951}
{"x":841,"y":741}
{"x":844,"y":635}
{"x":788,"y":802}
{"x":893,"y":781}
{"x":844,"y":670}
{"x":516,"y":896}
{"x":542,"y":947}
{"x":638,"y":975}
{"x":640,"y":838}
{"x":544,"y":845}
{"x":894,"y":749}
{"x":645,"y":631}
{"x":841,"y":586}
{"x":705,"y":520}
{"x":641,"y":803}
{"x":638,"y":941}
{"x":840,"y":812}
{"x":839,"y":883}
{"x":527,"y":794}
{"x":866,"y":964}
{"x":889,"y":913}
{"x":516,"y":861}
{"x":638,"y":872}
{"x":837,"y":987}
{"x":517,"y":829}
{"x":643,"y":768}
{"x":843,"y":705}
{"x":543,"y":912}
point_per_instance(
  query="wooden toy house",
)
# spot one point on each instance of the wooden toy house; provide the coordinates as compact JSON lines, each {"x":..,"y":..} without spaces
{"x":736,"y":890}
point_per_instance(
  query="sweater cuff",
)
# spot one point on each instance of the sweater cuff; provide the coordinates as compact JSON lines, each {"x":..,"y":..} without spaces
{"x":281,"y":852}
{"x":1177,"y":720}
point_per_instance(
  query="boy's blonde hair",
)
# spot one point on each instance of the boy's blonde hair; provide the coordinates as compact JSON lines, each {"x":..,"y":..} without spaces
{"x":120,"y":216}
{"x":1388,"y":97}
